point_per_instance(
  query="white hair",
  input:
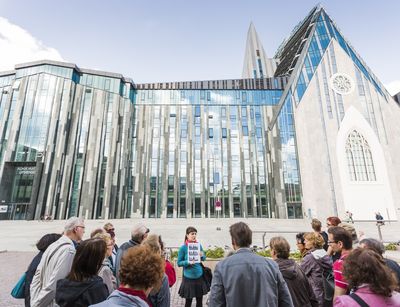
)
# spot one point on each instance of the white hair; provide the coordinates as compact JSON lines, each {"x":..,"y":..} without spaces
{"x":72,"y":222}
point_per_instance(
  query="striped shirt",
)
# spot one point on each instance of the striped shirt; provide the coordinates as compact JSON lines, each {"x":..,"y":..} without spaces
{"x":337,"y":272}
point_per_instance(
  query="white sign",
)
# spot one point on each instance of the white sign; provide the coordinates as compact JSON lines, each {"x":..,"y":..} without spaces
{"x":194,"y":252}
{"x":3,"y":209}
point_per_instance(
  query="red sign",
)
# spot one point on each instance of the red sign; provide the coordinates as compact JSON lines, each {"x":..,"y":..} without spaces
{"x":218,"y":205}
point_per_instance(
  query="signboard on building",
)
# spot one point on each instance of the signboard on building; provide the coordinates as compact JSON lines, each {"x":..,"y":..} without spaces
{"x":3,"y":209}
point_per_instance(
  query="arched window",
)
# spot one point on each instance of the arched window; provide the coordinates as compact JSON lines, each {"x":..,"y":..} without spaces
{"x":359,"y":158}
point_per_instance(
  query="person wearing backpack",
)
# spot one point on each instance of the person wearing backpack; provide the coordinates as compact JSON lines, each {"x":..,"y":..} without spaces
{"x":317,"y":266}
{"x":298,"y":284}
{"x":56,"y":264}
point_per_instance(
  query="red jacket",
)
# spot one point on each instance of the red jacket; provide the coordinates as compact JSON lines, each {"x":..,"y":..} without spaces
{"x":170,"y":271}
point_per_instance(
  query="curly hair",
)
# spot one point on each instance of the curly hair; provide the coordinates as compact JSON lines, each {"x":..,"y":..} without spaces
{"x":141,"y":268}
{"x":281,"y":247}
{"x":315,"y":238}
{"x":365,"y":266}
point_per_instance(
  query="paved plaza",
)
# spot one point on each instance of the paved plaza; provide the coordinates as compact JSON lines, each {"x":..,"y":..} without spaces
{"x":17,"y":242}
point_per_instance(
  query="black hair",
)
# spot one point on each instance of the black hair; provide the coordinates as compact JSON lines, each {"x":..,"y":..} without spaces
{"x":189,"y":230}
{"x":47,"y":240}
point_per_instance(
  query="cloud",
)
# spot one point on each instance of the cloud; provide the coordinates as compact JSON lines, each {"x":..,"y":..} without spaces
{"x":19,"y":46}
{"x":393,"y":87}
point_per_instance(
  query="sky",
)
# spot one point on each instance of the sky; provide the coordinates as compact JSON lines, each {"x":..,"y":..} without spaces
{"x":171,"y":40}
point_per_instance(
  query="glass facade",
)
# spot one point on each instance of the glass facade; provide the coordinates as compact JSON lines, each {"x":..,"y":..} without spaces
{"x":70,"y":130}
{"x":201,"y":146}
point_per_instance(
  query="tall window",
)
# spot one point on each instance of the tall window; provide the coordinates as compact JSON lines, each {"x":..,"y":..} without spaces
{"x":359,"y":158}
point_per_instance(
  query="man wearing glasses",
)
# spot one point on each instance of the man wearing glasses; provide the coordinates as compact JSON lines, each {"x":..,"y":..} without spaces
{"x":340,"y":241}
{"x":109,"y":228}
{"x":56,"y":263}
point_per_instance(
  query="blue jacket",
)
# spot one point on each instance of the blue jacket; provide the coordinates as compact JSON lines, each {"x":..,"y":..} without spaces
{"x":191,"y":271}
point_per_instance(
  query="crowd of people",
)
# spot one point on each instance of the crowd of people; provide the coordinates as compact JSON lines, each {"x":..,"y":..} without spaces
{"x":337,"y":268}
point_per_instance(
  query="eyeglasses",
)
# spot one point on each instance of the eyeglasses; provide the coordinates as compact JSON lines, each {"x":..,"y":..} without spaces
{"x":331,"y":242}
{"x":81,"y":226}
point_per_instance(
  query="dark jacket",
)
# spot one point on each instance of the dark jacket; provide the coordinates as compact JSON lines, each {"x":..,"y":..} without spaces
{"x":314,"y":264}
{"x":246,"y":279}
{"x":162,"y":298}
{"x":120,"y":252}
{"x":79,"y":294}
{"x":297,"y":282}
{"x":394,"y":266}
{"x":29,"y":276}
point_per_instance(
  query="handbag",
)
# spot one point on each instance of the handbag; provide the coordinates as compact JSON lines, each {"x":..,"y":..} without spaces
{"x":19,"y":289}
{"x":207,"y":275}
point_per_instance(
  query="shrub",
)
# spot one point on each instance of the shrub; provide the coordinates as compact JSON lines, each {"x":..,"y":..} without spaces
{"x":174,"y":255}
{"x":264,"y":253}
{"x":215,"y":253}
{"x":391,"y":247}
{"x":295,"y":256}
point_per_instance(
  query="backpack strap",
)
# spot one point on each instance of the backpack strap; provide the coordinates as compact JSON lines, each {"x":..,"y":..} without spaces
{"x":359,"y":300}
{"x":52,"y":254}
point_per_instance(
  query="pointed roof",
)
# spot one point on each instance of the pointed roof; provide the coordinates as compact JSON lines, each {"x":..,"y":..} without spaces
{"x":256,"y":62}
{"x":292,"y":46}
{"x":304,"y":49}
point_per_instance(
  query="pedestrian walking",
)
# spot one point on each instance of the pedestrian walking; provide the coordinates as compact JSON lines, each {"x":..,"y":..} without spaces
{"x":379,"y":219}
{"x":193,"y":284}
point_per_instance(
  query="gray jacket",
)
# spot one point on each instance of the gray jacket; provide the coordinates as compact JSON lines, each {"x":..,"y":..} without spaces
{"x":54,"y":265}
{"x":246,"y":279}
{"x":118,"y":298}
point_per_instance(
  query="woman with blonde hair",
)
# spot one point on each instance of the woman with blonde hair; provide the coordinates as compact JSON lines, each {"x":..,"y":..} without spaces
{"x":317,"y":266}
{"x":106,"y":270}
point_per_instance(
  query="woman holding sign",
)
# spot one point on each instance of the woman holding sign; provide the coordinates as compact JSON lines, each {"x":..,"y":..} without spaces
{"x":190,"y":256}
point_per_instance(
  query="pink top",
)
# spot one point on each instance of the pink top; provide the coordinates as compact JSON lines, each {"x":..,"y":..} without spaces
{"x":337,"y":272}
{"x":369,"y":297}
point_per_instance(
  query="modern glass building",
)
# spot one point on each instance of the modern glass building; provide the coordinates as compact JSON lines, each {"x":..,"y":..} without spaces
{"x":309,"y":132}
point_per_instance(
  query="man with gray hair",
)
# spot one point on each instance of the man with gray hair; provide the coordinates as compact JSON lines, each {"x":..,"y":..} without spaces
{"x":138,"y":234}
{"x":56,"y":263}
